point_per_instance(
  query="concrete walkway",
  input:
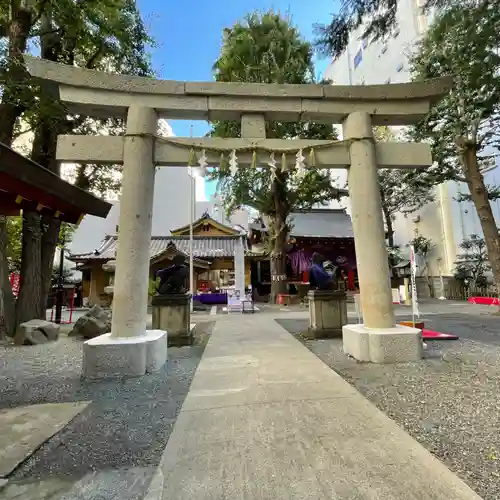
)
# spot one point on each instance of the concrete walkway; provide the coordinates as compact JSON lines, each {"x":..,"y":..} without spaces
{"x":265,"y":419}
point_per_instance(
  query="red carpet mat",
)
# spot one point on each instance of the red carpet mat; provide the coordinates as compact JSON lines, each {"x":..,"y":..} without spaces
{"x":487,"y":301}
{"x":432,"y":335}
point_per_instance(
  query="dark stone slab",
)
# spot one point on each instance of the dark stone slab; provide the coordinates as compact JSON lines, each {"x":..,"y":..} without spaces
{"x":171,"y":299}
{"x":326,"y":295}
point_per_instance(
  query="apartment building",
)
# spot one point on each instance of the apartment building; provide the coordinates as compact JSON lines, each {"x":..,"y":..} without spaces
{"x":445,"y":221}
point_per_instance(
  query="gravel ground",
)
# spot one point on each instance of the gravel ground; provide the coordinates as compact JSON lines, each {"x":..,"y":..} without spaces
{"x":128,"y":422}
{"x":449,"y":402}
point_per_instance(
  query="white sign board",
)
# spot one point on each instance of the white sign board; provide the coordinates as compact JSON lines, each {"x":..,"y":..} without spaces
{"x":403,"y":294}
{"x":234,"y":301}
{"x":239,"y":267}
{"x":414,"y":298}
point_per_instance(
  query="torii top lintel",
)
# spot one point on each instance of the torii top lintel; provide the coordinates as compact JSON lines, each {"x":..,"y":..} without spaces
{"x":99,"y":94}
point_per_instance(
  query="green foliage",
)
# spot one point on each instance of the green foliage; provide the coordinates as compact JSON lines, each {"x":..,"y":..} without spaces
{"x":472,"y":265}
{"x":401,"y":191}
{"x":377,"y":19}
{"x":266,"y":48}
{"x":395,"y":254}
{"x":67,"y":275}
{"x":104,"y":35}
{"x":14,"y":242}
{"x":464,"y":43}
{"x":463,"y":128}
{"x":66,"y":232}
{"x":422,"y":245}
{"x":493,"y":194}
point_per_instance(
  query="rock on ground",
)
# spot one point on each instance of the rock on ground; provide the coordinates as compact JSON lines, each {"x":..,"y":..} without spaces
{"x":95,"y":322}
{"x":36,"y":331}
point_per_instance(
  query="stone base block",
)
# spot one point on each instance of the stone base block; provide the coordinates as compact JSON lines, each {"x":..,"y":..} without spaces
{"x":399,"y":344}
{"x":172,"y":313}
{"x":107,"y":356}
{"x":327,"y":313}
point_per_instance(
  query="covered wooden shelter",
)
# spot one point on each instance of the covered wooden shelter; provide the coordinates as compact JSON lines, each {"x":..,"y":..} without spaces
{"x":26,"y":185}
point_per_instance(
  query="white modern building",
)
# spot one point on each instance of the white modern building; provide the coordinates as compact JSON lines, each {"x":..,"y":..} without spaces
{"x":445,"y":221}
{"x":171,"y":205}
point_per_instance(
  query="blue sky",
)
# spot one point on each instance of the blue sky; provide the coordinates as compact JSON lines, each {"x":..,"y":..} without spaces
{"x":188,"y":34}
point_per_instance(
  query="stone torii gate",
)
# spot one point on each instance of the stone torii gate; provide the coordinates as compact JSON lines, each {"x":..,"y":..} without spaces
{"x":129,"y":348}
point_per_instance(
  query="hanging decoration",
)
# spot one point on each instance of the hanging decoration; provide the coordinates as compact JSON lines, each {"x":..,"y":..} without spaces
{"x":312,"y":158}
{"x":305,"y":158}
{"x":233,"y":162}
{"x":283,"y":162}
{"x":223,"y":164}
{"x":272,"y":164}
{"x":272,"y":161}
{"x":254,"y":159}
{"x":299,"y":161}
{"x":202,"y":162}
{"x":192,"y":158}
{"x":258,"y":147}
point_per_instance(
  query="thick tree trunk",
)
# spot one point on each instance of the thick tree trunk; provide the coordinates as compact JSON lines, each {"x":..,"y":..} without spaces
{"x":279,"y":235}
{"x":278,"y":259}
{"x":50,"y":236}
{"x":479,"y":195}
{"x":44,"y":153}
{"x":11,"y":109}
{"x":29,"y":300}
{"x":390,"y":230}
{"x":17,"y":32}
{"x":7,"y":304}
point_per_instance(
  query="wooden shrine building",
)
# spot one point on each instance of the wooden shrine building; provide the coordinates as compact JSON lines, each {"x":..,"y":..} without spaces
{"x":327,"y":231}
{"x":214,"y":249}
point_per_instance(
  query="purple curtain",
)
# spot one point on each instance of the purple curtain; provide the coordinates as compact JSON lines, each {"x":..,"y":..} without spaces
{"x":300,"y":261}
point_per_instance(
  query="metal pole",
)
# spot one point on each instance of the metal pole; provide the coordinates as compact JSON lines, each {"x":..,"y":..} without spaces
{"x":191,"y":216}
{"x":60,"y":288}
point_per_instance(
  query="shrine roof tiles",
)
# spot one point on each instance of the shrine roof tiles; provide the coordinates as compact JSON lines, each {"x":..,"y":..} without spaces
{"x":208,"y":247}
{"x":318,"y":223}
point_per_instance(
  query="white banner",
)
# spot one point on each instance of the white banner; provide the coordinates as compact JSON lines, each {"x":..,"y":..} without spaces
{"x":414,"y":298}
{"x":239,"y":267}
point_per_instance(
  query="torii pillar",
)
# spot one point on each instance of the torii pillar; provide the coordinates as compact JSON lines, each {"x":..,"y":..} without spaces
{"x":379,"y":339}
{"x":130,"y":349}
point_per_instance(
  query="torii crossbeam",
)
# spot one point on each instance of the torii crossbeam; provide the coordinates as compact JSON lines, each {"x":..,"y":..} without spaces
{"x":143,"y":100}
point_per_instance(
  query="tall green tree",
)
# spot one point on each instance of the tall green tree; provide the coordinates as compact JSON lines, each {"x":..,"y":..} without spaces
{"x":267,"y":48}
{"x":463,"y":128}
{"x":104,"y":35}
